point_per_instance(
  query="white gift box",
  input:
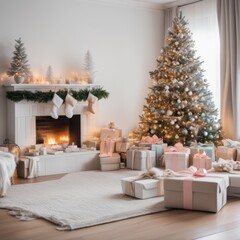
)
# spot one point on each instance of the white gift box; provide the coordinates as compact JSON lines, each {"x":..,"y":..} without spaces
{"x":141,"y":159}
{"x":110,"y":167}
{"x":226,"y":153}
{"x":234,"y":182}
{"x":196,"y":193}
{"x":176,"y":161}
{"x":234,"y":185}
{"x":144,"y":188}
{"x":113,"y":133}
{"x":110,"y":163}
{"x":158,"y":148}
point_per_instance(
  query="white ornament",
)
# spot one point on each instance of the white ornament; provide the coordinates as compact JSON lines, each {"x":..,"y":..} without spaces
{"x":166,"y":87}
{"x":190,"y":93}
{"x":152,"y":131}
{"x":169,"y":113}
{"x":178,"y":101}
{"x":186,"y":89}
{"x":205,"y":133}
{"x":184,"y":131}
{"x":172,"y":122}
{"x":180,"y":83}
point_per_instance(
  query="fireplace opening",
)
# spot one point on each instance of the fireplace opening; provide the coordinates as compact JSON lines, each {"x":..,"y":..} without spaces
{"x":63,"y":130}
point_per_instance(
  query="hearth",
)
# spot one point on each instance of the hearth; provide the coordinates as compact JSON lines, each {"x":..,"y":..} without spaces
{"x":50,"y":131}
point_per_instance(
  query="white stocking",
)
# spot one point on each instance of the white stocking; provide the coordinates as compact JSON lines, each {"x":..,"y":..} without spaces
{"x":91,"y":100}
{"x":57,"y":102}
{"x":70,"y":103}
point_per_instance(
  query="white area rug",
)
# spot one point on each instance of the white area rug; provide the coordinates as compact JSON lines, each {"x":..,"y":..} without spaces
{"x":79,"y":200}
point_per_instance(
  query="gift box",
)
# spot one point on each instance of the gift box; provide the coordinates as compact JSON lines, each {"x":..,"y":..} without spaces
{"x":112,"y":133}
{"x":123,"y":146}
{"x":202,"y":161}
{"x":196,"y":193}
{"x":141,"y":159}
{"x":209,"y":149}
{"x":158,"y":148}
{"x":226,"y":153}
{"x":143,"y":188}
{"x":107,"y":147}
{"x":176,"y":161}
{"x":110,"y":163}
{"x":234,"y":182}
{"x":23,"y":168}
{"x":110,"y":167}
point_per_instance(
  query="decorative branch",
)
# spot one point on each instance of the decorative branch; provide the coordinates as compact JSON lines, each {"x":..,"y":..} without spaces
{"x":44,"y":97}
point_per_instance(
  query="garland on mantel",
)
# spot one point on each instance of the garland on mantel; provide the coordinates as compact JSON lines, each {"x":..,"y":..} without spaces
{"x":44,"y":97}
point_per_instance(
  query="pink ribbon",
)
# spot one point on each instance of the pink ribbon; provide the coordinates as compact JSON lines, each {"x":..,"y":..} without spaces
{"x":178,"y":147}
{"x":187,"y":193}
{"x":201,"y":172}
{"x":107,"y":147}
{"x":153,"y":140}
{"x":187,"y":186}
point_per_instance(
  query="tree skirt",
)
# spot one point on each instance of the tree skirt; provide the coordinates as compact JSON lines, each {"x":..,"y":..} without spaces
{"x":78,"y":200}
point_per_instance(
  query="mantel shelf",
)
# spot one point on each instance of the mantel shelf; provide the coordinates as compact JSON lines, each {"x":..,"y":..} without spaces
{"x":48,"y":87}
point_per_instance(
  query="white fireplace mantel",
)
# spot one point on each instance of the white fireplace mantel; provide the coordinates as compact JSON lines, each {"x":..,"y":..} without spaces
{"x":48,"y":87}
{"x":21,"y":116}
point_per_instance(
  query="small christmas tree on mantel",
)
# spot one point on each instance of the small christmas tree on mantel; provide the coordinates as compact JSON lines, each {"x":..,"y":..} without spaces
{"x":19,"y":66}
{"x":180,"y":107}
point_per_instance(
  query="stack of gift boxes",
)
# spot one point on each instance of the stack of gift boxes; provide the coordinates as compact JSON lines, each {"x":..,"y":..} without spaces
{"x":194,"y":178}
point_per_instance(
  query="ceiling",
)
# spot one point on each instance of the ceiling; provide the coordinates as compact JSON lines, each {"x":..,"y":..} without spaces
{"x":159,"y":4}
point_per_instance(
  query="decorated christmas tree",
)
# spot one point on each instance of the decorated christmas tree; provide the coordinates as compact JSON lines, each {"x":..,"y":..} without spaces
{"x":19,"y":65}
{"x":88,"y":67}
{"x":180,"y":107}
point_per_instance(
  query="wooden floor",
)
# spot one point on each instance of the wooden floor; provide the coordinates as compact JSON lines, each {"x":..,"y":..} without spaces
{"x":171,"y":224}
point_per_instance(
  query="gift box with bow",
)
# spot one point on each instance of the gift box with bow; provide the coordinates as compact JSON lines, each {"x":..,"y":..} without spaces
{"x":202,"y":161}
{"x":176,"y":157}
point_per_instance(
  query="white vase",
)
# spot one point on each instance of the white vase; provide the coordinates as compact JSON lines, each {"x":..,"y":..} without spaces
{"x":19,"y":79}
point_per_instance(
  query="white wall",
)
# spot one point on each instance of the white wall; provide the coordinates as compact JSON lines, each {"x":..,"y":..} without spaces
{"x":124,"y":42}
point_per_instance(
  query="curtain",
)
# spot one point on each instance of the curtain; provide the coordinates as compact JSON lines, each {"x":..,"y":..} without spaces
{"x":202,"y":19}
{"x":169,"y":15}
{"x":229,"y":24}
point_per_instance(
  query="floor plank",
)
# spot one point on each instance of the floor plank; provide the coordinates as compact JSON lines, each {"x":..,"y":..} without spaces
{"x":170,"y":225}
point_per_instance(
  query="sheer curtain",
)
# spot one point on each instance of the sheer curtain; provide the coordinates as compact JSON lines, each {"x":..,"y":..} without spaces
{"x":202,"y":19}
{"x":229,"y":28}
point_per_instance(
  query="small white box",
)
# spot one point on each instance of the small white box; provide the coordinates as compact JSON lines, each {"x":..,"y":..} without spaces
{"x":110,"y":163}
{"x":110,"y":167}
{"x":115,"y":158}
{"x":149,"y":188}
{"x":145,"y":188}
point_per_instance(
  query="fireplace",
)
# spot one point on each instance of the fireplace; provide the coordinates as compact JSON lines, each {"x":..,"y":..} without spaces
{"x":58,"y":131}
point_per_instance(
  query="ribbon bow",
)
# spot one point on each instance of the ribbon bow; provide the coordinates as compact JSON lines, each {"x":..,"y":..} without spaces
{"x":191,"y":171}
{"x":201,"y":156}
{"x":178,"y":147}
{"x":153,"y":140}
{"x":230,"y":143}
